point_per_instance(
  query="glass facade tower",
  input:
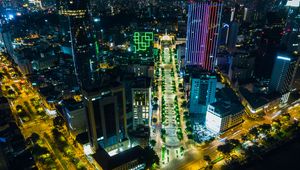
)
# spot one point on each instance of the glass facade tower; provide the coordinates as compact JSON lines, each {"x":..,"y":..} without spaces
{"x":203,"y":29}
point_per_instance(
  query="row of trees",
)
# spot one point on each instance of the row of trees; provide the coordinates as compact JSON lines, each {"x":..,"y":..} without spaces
{"x":188,"y":124}
{"x":258,"y":141}
{"x":177,"y":113}
{"x":41,"y":153}
{"x":65,"y":148}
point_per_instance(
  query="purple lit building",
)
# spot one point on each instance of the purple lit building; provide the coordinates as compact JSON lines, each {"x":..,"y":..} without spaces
{"x":204,"y":19}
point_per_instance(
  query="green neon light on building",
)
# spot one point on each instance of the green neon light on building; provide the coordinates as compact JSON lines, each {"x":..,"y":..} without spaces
{"x":155,"y":51}
{"x":142,"y":41}
{"x":97,"y":48}
{"x":96,"y":45}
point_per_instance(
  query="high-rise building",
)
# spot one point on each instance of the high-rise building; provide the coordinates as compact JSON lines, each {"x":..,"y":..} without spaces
{"x":233,"y":35}
{"x":82,"y":40}
{"x":75,"y":115}
{"x":283,"y":74}
{"x":106,"y":116}
{"x":203,"y":90}
{"x":141,"y":102}
{"x":204,"y":19}
{"x":5,"y":39}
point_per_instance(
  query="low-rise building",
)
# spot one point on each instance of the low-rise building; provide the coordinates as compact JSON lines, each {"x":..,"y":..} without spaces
{"x":259,"y":102}
{"x":224,"y":114}
{"x":129,"y":159}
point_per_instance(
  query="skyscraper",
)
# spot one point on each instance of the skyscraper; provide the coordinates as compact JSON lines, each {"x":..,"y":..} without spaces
{"x":6,"y":42}
{"x":203,"y":90}
{"x":82,"y":40}
{"x":106,"y":116}
{"x":204,"y":19}
{"x":283,"y":74}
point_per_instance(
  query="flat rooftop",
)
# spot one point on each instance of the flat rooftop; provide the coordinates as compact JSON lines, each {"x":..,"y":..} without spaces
{"x":227,"y":102}
{"x":257,"y":100}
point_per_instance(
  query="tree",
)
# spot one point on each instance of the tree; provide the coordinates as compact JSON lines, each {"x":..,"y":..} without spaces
{"x":265,"y":128}
{"x":244,"y":137}
{"x":11,"y":92}
{"x":252,"y":152}
{"x":58,"y":121}
{"x":34,"y":137}
{"x":188,"y":123}
{"x":155,"y":99}
{"x":269,"y":140}
{"x":152,"y":143}
{"x":254,"y":132}
{"x":233,"y":164}
{"x":38,"y":150}
{"x":276,"y":124}
{"x":179,"y":135}
{"x":184,"y":104}
{"x":189,"y":129}
{"x":234,"y":142}
{"x":207,"y":158}
{"x":286,"y":117}
{"x":208,"y":161}
{"x":180,"y":85}
{"x":154,"y":120}
{"x":190,"y":136}
{"x":226,"y":148}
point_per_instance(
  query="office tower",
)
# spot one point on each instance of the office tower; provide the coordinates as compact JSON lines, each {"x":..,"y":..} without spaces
{"x":106,"y":116}
{"x":224,"y":34}
{"x":242,"y":67}
{"x":291,"y":34}
{"x":202,"y":33}
{"x":283,"y":74}
{"x":141,"y":102}
{"x":82,"y":40}
{"x":203,"y":90}
{"x":233,"y":35}
{"x":5,"y":39}
{"x":75,"y":115}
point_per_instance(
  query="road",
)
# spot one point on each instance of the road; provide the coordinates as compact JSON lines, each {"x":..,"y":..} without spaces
{"x":167,"y":66}
{"x":29,"y":110}
{"x":193,"y":159}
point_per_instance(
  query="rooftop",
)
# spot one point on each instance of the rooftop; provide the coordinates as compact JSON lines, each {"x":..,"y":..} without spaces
{"x":142,"y":82}
{"x":227,"y":102}
{"x":257,"y":100}
{"x":108,"y":163}
{"x":71,"y":104}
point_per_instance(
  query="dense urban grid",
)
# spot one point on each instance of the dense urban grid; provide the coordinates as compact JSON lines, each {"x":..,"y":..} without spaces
{"x":149,"y":84}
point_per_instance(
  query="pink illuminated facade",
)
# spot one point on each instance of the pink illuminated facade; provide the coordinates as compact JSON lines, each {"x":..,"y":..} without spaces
{"x":204,"y":19}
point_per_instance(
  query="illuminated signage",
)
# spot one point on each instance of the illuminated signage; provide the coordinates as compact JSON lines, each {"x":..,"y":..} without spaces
{"x":142,"y":41}
{"x":293,"y":3}
{"x":284,"y":58}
